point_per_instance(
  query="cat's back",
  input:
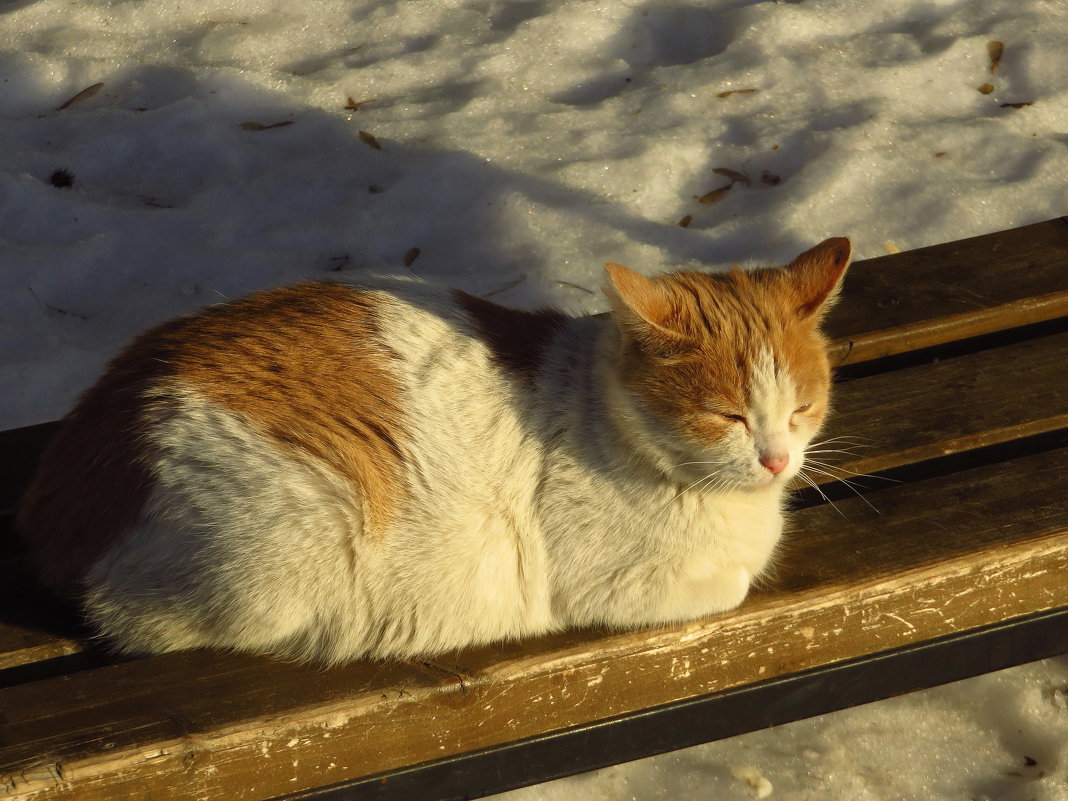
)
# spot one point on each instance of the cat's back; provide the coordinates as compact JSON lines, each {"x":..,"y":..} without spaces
{"x":281,"y":404}
{"x":266,"y":473}
{"x":301,"y":374}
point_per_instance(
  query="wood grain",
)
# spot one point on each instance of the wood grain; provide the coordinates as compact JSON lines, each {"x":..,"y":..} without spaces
{"x":20,"y":645}
{"x":946,"y":555}
{"x":960,"y":404}
{"x":942,"y":293}
{"x":33,"y":625}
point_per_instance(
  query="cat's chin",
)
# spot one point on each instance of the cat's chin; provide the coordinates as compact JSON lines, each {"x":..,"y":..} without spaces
{"x":729,"y":482}
{"x":763,"y":484}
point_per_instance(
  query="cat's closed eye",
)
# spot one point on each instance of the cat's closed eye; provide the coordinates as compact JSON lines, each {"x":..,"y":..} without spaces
{"x":800,"y":411}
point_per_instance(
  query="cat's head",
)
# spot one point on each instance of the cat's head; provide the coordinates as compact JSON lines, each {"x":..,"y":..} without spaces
{"x":727,"y":374}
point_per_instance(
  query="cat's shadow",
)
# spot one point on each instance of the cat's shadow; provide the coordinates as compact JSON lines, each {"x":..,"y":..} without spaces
{"x":44,"y":635}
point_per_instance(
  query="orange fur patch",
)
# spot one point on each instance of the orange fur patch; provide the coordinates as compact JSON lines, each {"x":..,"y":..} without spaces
{"x":307,"y":366}
{"x":304,"y":365}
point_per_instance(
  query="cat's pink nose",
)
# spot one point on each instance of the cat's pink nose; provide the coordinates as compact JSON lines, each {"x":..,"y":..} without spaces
{"x":775,"y":462}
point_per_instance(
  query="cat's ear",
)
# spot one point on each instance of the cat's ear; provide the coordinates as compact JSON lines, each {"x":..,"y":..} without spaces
{"x":816,"y":275}
{"x":644,"y":309}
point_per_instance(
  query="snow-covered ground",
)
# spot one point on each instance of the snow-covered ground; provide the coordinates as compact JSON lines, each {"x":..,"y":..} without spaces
{"x":514,"y":146}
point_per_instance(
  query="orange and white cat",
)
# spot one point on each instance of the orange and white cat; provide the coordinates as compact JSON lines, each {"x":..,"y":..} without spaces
{"x":394,"y":468}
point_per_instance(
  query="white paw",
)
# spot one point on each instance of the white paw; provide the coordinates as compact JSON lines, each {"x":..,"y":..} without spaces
{"x":731,"y":586}
{"x":717,"y":590}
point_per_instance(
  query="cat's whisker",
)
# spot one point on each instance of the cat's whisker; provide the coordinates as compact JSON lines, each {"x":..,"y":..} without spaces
{"x":717,"y":463}
{"x":852,"y":485}
{"x":723,"y":484}
{"x":823,"y":494}
{"x":845,"y":481}
{"x":841,"y":444}
{"x":686,"y":489}
{"x":708,"y":481}
{"x":695,"y":483}
{"x":702,"y":484}
{"x":844,"y":440}
{"x":852,"y":472}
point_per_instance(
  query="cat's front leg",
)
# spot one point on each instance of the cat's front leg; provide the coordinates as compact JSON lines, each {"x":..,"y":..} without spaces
{"x":694,"y":594}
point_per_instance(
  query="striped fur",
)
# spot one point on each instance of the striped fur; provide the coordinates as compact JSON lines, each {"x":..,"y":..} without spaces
{"x":396,"y":469}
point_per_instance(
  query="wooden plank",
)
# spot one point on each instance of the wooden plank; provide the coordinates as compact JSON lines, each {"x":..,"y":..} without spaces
{"x":692,"y":721}
{"x":33,"y":626}
{"x":946,"y":555}
{"x":942,"y":293}
{"x":960,"y":404}
{"x":20,"y":645}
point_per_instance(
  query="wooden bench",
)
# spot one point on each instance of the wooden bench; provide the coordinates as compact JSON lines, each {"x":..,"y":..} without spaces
{"x":954,"y":377}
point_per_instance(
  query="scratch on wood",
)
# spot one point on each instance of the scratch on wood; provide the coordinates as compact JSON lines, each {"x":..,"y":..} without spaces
{"x":923,"y":610}
{"x":901,"y":619}
{"x":1034,"y":574}
{"x":680,"y":668}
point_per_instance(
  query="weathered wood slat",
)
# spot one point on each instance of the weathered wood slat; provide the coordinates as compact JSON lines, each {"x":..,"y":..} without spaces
{"x":943,"y":293}
{"x":925,"y":334}
{"x":946,"y":555}
{"x":960,"y":404}
{"x":692,"y":721}
{"x":21,"y":645}
{"x":29,"y":620}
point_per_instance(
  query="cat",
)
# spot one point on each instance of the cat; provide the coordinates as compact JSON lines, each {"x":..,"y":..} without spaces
{"x":394,"y":469}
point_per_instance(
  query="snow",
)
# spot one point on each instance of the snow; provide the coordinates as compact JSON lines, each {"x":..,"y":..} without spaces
{"x":522,"y":144}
